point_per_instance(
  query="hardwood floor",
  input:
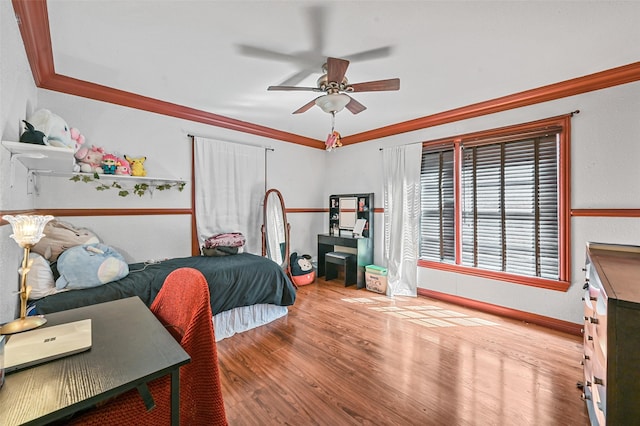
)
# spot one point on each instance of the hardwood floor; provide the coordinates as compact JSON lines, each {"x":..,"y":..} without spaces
{"x":400,"y":361}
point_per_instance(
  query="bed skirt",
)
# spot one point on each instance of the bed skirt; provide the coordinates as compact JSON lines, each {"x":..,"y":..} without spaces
{"x":244,"y":318}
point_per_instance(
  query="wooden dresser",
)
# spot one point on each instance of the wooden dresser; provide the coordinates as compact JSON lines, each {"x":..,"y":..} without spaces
{"x":611,"y":357}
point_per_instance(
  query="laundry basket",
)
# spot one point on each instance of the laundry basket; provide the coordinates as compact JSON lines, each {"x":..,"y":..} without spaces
{"x":376,"y":278}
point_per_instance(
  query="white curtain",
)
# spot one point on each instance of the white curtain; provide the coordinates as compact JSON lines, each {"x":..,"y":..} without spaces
{"x":229,"y":190}
{"x":401,"y":180}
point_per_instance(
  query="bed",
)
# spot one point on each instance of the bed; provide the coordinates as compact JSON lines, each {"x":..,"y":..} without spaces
{"x":246,"y":290}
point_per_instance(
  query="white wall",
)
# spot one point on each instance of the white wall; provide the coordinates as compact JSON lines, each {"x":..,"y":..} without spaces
{"x":605,"y":172}
{"x":291,"y":168}
{"x":355,"y":169}
{"x":17,"y":95}
{"x":298,"y":172}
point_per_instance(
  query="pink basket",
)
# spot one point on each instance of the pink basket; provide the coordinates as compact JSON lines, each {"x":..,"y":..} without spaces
{"x":304,"y":279}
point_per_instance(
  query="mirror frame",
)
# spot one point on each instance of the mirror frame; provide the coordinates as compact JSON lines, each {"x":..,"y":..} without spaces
{"x":287,"y":228}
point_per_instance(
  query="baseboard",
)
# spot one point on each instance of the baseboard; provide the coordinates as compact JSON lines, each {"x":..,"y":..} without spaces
{"x":552,"y":323}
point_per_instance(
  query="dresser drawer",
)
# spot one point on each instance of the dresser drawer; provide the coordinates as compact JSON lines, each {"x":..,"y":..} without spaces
{"x":589,"y":342}
{"x":592,"y":292}
{"x":599,"y":395}
{"x":599,"y":388}
{"x":600,"y":325}
{"x":599,"y":362}
{"x":589,"y":351}
{"x":588,"y":371}
{"x":588,"y":304}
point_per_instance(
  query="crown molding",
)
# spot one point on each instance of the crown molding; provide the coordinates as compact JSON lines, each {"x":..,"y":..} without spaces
{"x":33,"y":21}
{"x":576,"y":86}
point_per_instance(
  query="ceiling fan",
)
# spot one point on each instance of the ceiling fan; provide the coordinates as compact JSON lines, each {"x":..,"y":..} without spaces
{"x":334,"y":83}
{"x":308,"y":61}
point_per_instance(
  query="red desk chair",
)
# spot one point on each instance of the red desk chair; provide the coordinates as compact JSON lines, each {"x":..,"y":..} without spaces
{"x":182,"y":305}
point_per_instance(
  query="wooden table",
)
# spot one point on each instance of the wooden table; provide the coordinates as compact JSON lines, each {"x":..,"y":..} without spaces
{"x":129,"y":347}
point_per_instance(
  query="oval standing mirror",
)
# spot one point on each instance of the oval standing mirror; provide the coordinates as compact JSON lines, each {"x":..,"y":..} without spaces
{"x":275,"y":229}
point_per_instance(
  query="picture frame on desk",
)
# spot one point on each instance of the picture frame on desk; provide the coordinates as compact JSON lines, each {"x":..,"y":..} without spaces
{"x":359,"y":228}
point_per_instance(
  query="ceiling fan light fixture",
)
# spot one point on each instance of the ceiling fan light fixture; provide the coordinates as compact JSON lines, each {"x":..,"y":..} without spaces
{"x":334,"y":102}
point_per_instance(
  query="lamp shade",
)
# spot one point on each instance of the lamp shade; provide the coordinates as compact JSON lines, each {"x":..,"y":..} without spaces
{"x":27,"y":229}
{"x":333,"y":102}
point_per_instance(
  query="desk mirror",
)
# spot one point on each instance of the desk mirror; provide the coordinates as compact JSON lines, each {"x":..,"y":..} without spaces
{"x":347,"y":207}
{"x":275,"y":229}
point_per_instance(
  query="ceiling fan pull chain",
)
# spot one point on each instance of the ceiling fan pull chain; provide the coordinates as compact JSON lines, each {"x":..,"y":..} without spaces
{"x":333,"y":121}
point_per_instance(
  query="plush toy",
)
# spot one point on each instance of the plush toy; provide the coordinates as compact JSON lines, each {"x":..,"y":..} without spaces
{"x":302,"y":272}
{"x":122,"y":167}
{"x":90,"y":159}
{"x":109,"y":164}
{"x":77,"y":137}
{"x":79,"y":140}
{"x":90,"y":265}
{"x":137,"y":165}
{"x":334,"y":140}
{"x":55,"y":129}
{"x":31,"y":135}
{"x":60,"y":236}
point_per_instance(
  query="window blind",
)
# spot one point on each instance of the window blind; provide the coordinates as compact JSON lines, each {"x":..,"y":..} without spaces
{"x":437,"y":220}
{"x":510,"y":206}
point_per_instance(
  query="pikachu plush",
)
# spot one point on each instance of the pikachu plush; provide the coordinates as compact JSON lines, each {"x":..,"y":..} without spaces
{"x":136,"y":165}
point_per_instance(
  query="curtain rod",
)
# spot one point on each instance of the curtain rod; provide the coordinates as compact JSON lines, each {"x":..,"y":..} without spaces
{"x":394,"y":146}
{"x":571,"y":114}
{"x":268,"y":148}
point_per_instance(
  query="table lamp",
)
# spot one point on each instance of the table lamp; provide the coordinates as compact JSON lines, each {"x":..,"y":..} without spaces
{"x":27,"y":231}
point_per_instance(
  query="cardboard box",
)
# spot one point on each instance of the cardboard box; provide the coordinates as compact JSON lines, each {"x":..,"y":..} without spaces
{"x":376,"y":279}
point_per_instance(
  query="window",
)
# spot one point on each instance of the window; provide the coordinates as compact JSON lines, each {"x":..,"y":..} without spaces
{"x":437,"y":222}
{"x":494,"y":204}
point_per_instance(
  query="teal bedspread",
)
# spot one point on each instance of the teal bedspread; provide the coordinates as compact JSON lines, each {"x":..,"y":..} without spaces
{"x":234,"y":281}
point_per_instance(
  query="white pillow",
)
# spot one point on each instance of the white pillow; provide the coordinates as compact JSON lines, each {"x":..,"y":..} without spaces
{"x":40,"y":277}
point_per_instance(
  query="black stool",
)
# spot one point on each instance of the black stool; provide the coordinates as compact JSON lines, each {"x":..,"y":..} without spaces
{"x":348,"y":260}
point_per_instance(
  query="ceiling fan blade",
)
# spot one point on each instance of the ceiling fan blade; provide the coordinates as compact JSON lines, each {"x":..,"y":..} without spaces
{"x":336,"y":69}
{"x":305,"y":107}
{"x":376,"y":86}
{"x":259,"y":52}
{"x":317,"y":25}
{"x":297,"y":77}
{"x":380,"y":52}
{"x":354,"y":106}
{"x":294,"y":88}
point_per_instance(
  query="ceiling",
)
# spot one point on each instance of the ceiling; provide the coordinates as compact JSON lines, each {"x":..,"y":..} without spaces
{"x":205,"y":54}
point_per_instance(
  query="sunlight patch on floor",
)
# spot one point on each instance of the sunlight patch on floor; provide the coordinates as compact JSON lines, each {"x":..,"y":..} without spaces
{"x":432,"y":322}
{"x":359,"y":300}
{"x":422,"y":308}
{"x":424,"y":315}
{"x":388,"y":308}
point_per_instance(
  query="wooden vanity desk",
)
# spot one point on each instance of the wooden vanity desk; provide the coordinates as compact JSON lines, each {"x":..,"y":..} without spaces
{"x":344,"y":211}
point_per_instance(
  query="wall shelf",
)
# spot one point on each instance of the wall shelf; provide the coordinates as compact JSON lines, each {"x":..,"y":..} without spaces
{"x":40,"y":157}
{"x":150,"y":180}
{"x":53,"y":161}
